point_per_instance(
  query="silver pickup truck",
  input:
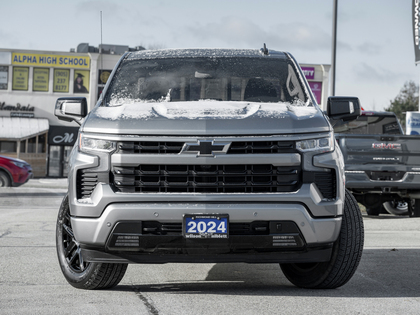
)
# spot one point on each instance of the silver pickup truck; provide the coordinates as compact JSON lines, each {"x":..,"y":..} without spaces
{"x":208,"y":156}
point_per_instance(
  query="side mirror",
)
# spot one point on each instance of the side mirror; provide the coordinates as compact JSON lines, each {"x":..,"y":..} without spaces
{"x":343,"y":108}
{"x":71,"y":109}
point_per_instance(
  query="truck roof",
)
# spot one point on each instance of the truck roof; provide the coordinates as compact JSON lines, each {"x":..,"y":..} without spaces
{"x":205,"y":53}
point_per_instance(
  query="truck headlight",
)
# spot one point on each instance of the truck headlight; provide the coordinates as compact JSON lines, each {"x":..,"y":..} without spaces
{"x":91,"y":144}
{"x":320,"y":145}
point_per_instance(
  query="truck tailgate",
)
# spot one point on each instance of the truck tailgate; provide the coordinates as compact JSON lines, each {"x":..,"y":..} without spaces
{"x":396,"y":153}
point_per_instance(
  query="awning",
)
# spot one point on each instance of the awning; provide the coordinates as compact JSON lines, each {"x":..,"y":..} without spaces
{"x":16,"y":128}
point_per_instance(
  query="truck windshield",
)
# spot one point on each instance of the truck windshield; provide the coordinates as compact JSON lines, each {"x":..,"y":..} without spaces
{"x":370,"y":125}
{"x":218,"y":79}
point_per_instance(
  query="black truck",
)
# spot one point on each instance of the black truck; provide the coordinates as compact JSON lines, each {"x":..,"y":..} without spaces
{"x":382,"y":165}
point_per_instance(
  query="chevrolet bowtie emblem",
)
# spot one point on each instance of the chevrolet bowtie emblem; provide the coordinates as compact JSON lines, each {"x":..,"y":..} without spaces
{"x":205,"y":148}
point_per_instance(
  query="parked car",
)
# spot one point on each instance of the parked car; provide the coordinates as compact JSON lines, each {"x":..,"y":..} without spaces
{"x":208,"y":155}
{"x":14,"y":172}
{"x":382,"y":164}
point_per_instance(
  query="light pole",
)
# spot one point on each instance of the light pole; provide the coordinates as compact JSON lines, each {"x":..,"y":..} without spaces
{"x":334,"y":47}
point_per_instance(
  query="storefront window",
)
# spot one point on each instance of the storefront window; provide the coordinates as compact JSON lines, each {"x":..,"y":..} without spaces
{"x":41,"y":79}
{"x":23,"y":146}
{"x":8,"y":146}
{"x":42,"y":144}
{"x":61,"y":80}
{"x":32,"y":145}
{"x":20,"y":78}
{"x":4,"y":77}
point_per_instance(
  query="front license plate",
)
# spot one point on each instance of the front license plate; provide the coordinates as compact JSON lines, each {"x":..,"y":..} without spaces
{"x":206,"y":226}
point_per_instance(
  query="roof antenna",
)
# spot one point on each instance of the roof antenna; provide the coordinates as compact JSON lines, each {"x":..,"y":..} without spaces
{"x":264,"y":50}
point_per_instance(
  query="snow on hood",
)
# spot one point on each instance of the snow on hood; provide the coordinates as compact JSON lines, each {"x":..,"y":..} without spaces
{"x":204,"y":109}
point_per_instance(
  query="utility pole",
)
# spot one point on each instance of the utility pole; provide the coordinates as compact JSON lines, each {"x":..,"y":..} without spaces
{"x":334,"y":47}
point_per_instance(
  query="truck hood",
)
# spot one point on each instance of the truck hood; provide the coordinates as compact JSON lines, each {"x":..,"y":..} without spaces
{"x":205,"y":118}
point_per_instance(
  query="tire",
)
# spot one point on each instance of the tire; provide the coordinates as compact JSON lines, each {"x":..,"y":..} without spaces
{"x":416,"y":209}
{"x":4,"y":180}
{"x":80,"y":274}
{"x":345,"y":257}
{"x":397,"y":208}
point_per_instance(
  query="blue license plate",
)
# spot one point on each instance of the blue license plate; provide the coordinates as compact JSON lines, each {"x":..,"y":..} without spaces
{"x":206,"y":226}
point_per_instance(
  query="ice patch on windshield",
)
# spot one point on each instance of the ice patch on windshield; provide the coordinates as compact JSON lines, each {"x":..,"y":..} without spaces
{"x":123,"y":99}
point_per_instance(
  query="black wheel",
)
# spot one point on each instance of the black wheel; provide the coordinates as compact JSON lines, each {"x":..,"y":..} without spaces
{"x":400,"y":207}
{"x":345,"y":258}
{"x":415,"y":209}
{"x":78,"y":273}
{"x":4,"y":180}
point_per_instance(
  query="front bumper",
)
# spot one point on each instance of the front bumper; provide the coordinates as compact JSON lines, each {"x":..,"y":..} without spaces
{"x":94,"y":219}
{"x":102,"y":240}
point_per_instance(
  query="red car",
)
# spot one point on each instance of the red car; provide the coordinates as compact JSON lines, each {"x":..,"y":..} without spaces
{"x":14,"y":172}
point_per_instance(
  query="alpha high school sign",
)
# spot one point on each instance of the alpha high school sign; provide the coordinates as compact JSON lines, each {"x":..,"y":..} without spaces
{"x":56,"y":61}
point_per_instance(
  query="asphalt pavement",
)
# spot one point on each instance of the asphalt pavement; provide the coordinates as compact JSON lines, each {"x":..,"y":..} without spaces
{"x":31,"y":282}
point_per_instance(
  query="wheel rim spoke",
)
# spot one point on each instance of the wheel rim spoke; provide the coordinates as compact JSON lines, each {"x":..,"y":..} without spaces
{"x":72,"y":251}
{"x":68,"y":231}
{"x":81,"y":262}
{"x":72,"y":258}
{"x":70,"y":247}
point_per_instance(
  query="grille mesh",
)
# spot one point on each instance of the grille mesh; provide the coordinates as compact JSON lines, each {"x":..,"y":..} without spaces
{"x":262,"y":147}
{"x":148,"y":147}
{"x":236,"y":147}
{"x":207,"y":178}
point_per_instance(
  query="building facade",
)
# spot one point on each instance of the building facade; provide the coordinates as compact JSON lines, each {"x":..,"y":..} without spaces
{"x":31,"y":81}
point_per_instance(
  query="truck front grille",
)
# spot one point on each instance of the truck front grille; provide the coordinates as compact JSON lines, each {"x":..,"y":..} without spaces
{"x":207,"y":178}
{"x":236,"y":147}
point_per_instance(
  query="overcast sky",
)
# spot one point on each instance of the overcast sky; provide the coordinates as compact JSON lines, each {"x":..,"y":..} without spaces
{"x":375,"y":52}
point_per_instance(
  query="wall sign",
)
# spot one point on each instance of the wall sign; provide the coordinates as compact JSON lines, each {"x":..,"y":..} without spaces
{"x":415,"y":26}
{"x":102,"y":80}
{"x":309,"y":72}
{"x":17,"y":107}
{"x":316,"y":88}
{"x":61,"y":80}
{"x":103,"y":76}
{"x":22,"y":115}
{"x":20,"y":78}
{"x":81,"y":81}
{"x":41,"y":79}
{"x":59,"y":135}
{"x":56,"y":61}
{"x":4,"y":75}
